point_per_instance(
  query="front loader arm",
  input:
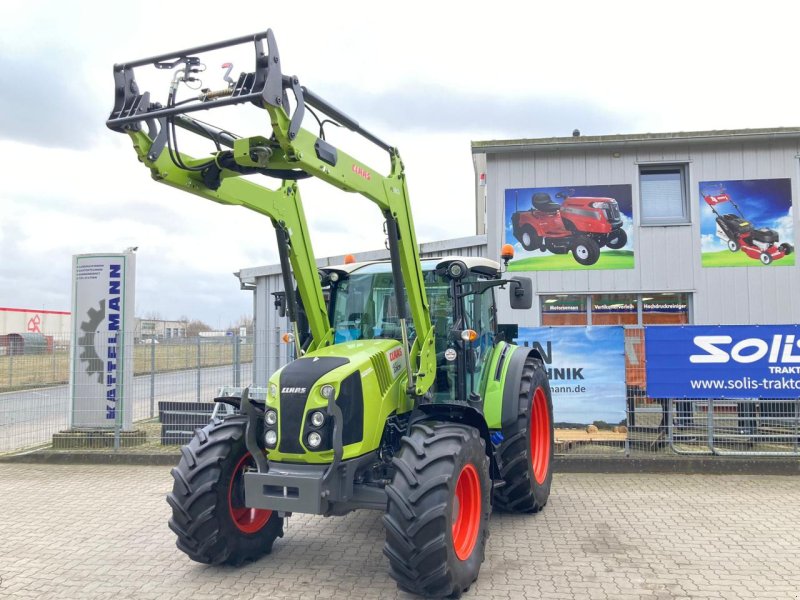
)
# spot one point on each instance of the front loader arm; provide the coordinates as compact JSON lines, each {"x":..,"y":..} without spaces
{"x":287,"y":152}
{"x":283,"y":206}
{"x":390,"y":194}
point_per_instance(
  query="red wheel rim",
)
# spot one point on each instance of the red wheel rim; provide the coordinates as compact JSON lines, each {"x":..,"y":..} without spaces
{"x":247,"y":520}
{"x":466,"y":512}
{"x":540,"y":436}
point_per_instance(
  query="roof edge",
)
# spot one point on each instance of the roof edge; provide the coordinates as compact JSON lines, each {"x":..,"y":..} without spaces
{"x":618,"y":140}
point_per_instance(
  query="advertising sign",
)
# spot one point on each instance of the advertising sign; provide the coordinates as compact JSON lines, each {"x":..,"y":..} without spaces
{"x":570,"y":227}
{"x":746,"y":223}
{"x":101,"y":374}
{"x":586,"y":368}
{"x":726,"y":361}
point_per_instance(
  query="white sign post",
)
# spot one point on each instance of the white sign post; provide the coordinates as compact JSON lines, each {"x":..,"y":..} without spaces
{"x":101,"y":364}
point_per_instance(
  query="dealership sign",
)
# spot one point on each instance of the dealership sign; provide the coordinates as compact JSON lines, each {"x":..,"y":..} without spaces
{"x":586,"y":369}
{"x":730,"y":361}
{"x":101,"y":374}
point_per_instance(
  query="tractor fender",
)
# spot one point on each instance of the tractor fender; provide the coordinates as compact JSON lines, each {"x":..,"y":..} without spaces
{"x":516,"y":362}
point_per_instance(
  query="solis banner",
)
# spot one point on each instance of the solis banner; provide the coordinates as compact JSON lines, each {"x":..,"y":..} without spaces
{"x":727,"y":361}
{"x":570,"y":227}
{"x":586,"y":369}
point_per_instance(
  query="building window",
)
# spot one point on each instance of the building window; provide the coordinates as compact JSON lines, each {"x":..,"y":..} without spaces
{"x":564,"y":309}
{"x":615,"y":309}
{"x":665,"y":309}
{"x":664,"y":196}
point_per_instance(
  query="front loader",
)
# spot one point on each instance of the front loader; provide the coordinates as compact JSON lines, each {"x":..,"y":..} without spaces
{"x":433,"y":419}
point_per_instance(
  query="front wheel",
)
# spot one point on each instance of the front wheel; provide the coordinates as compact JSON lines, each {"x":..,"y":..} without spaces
{"x":528,"y":238}
{"x":787,"y":249}
{"x":437,"y":514}
{"x":617,"y":239}
{"x":765,"y":258}
{"x":209,"y":516}
{"x":525,"y":454}
{"x":585,"y":250}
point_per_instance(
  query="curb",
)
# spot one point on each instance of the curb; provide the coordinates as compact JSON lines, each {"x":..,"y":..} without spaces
{"x":562,"y":464}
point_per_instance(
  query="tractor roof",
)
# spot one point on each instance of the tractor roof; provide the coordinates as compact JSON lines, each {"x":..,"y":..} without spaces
{"x":479,"y":264}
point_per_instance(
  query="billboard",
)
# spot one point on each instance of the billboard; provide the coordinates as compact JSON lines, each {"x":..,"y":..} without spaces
{"x":725,"y":361}
{"x":101,"y":369}
{"x":586,"y":368}
{"x":746,"y":223}
{"x":569,"y":227}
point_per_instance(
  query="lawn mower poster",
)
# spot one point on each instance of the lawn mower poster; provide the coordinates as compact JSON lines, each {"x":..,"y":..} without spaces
{"x":725,"y":361}
{"x":574,"y":227}
{"x":586,"y":369}
{"x":746,"y":223}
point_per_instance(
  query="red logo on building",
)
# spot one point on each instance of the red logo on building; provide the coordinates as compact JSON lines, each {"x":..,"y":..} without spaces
{"x":33,"y":324}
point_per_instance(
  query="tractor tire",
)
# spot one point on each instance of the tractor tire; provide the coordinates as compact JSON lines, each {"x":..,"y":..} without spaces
{"x":585,"y":250}
{"x":528,"y":238}
{"x":437,"y":515}
{"x":525,"y":455}
{"x":207,"y":500}
{"x":733,"y":245}
{"x":617,"y":239}
{"x":765,"y":258}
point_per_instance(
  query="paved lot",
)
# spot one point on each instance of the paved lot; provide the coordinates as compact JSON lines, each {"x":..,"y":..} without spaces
{"x":100,"y":532}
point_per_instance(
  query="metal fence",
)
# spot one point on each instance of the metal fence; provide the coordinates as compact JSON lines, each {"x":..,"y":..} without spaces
{"x":37,"y":406}
{"x":175,"y":381}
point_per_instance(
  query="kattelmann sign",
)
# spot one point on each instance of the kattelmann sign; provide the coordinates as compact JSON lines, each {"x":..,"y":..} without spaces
{"x":101,"y":376}
{"x":729,"y":361}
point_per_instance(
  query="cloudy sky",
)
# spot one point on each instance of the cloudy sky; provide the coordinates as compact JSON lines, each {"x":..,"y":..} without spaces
{"x":427,"y":77}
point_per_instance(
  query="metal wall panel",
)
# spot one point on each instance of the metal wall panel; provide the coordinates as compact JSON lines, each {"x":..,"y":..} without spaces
{"x":667,"y":258}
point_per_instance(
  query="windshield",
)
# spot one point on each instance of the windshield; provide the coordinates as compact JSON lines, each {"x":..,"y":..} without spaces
{"x":365,"y":307}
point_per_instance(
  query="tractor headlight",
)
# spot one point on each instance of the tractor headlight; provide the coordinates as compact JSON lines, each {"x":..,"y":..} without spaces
{"x":273,"y":390}
{"x":317,"y":418}
{"x":271,"y":438}
{"x":327,"y":391}
{"x":271,"y":417}
{"x":314,"y":439}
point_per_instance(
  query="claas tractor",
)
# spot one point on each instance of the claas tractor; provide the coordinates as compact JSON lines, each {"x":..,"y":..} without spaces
{"x":403,"y":396}
{"x":739,"y":234}
{"x":581,"y":225}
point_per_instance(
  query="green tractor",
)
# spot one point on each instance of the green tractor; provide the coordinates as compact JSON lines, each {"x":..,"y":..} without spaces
{"x":404,"y":395}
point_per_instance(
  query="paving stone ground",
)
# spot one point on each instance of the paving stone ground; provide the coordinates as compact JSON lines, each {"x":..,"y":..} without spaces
{"x":99,"y":532}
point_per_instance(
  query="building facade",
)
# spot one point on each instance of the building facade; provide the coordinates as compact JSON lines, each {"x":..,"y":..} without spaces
{"x":676,"y":264}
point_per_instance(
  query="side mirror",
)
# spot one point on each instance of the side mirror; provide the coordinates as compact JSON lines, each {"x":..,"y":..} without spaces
{"x":520,"y":293}
{"x":280,"y":303}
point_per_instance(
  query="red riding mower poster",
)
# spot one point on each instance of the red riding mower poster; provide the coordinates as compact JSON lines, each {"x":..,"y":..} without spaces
{"x":567,"y":228}
{"x":746,"y":223}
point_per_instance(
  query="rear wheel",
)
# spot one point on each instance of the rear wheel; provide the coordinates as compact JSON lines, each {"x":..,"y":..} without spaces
{"x":585,"y":250}
{"x":438,"y":507}
{"x":528,"y":238}
{"x":525,"y":456}
{"x":617,"y":239}
{"x":733,"y":245}
{"x":209,"y":516}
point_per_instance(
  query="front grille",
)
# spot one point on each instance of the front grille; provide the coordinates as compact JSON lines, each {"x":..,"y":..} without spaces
{"x":297,"y":378}
{"x":612,"y":212}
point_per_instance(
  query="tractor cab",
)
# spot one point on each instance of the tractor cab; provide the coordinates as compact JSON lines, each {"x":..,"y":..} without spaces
{"x":363,"y":306}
